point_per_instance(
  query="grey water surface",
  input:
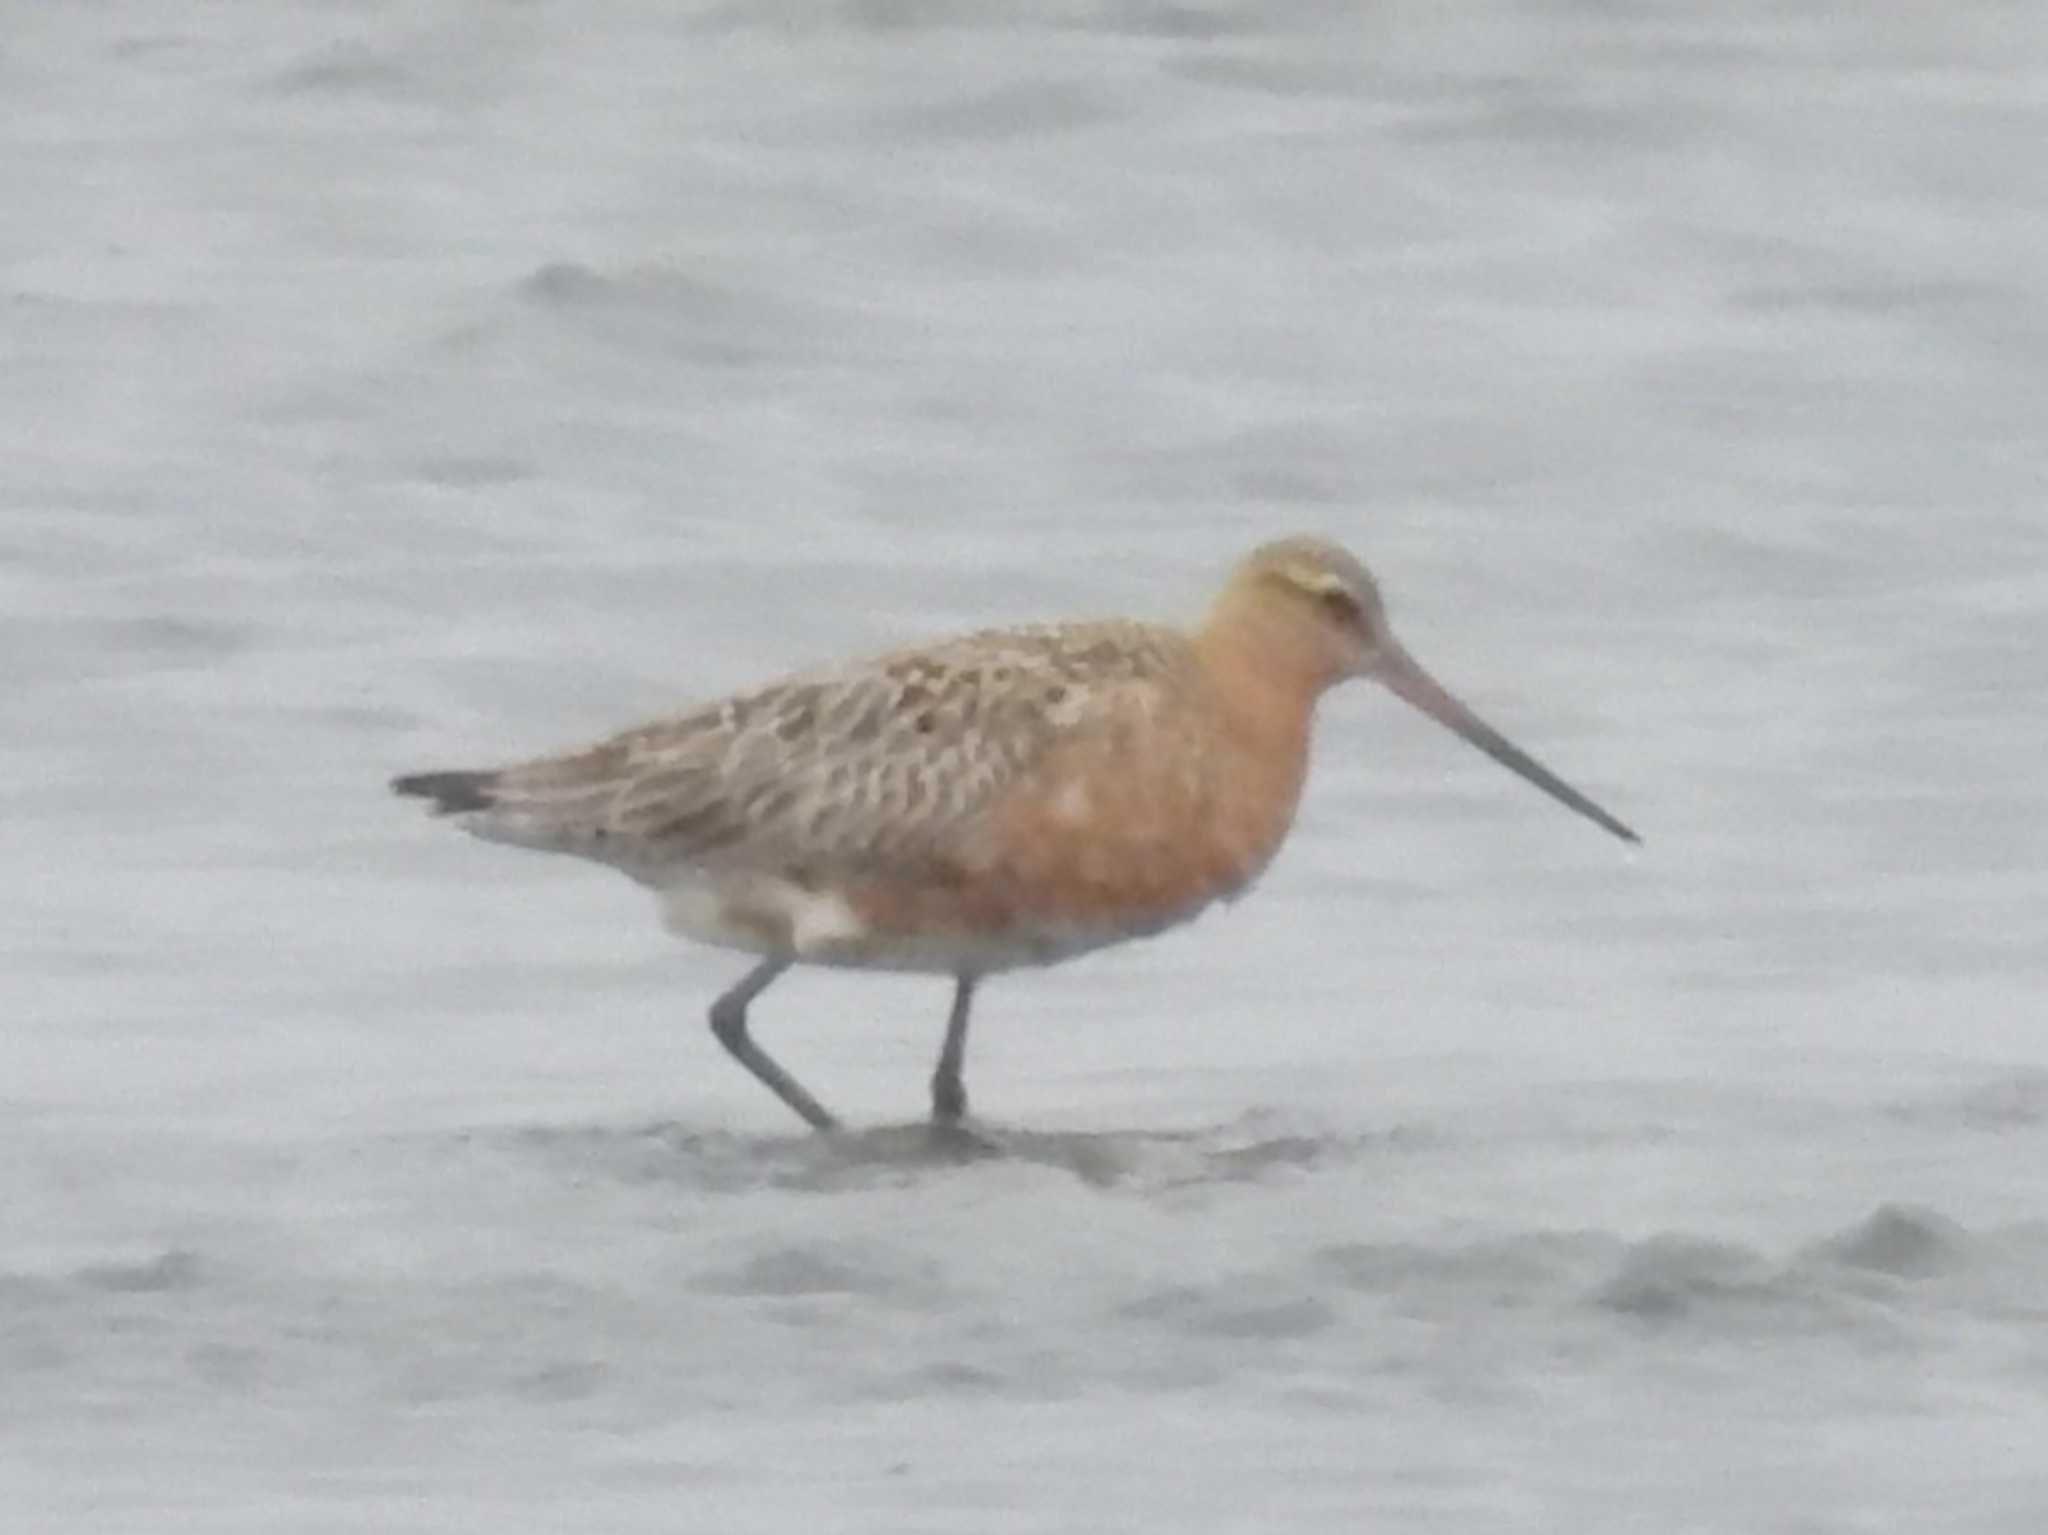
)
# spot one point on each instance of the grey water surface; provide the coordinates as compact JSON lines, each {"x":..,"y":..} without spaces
{"x":400,"y":386}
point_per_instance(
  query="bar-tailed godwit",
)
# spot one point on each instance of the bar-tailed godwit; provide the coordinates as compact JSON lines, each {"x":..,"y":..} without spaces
{"x":1006,"y":798}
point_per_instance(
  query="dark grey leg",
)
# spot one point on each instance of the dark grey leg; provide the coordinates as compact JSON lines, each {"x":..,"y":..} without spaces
{"x":729,"y":1023}
{"x":949,"y":1093}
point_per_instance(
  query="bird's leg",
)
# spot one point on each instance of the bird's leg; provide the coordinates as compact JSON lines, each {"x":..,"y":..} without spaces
{"x":949,"y":1093}
{"x":729,"y":1023}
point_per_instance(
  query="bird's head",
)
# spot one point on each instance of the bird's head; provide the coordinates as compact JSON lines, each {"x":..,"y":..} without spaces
{"x":1313,"y":611}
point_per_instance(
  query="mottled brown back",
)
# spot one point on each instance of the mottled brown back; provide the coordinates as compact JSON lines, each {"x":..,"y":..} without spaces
{"x":858,"y":767}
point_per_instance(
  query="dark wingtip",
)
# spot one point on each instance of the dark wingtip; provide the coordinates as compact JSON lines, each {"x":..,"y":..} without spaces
{"x":452,"y":793}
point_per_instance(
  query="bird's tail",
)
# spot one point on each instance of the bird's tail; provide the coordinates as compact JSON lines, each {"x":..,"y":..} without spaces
{"x":452,"y":793}
{"x":555,"y":805}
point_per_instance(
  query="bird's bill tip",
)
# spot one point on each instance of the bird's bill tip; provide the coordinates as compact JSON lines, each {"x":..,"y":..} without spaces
{"x":1405,"y":677}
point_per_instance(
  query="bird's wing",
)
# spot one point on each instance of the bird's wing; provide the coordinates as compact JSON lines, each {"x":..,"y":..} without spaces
{"x":863,"y":766}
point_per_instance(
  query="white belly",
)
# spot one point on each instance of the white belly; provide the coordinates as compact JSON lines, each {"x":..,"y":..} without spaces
{"x":763,"y":914}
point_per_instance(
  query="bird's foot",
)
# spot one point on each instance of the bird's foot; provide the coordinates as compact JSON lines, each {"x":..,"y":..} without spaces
{"x":957,"y":1141}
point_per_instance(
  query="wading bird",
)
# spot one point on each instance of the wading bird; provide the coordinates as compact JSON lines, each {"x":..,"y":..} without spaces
{"x":1007,"y":798}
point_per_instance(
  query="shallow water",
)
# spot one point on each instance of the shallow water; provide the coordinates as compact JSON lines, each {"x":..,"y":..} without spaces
{"x":408,"y":387}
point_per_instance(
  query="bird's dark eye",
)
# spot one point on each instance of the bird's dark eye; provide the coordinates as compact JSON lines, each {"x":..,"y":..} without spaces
{"x":1341,"y":605}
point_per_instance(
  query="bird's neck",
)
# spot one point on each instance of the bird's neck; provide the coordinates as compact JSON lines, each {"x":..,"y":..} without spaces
{"x":1267,"y":666}
{"x":1265,"y":684}
{"x":1267,"y":675}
